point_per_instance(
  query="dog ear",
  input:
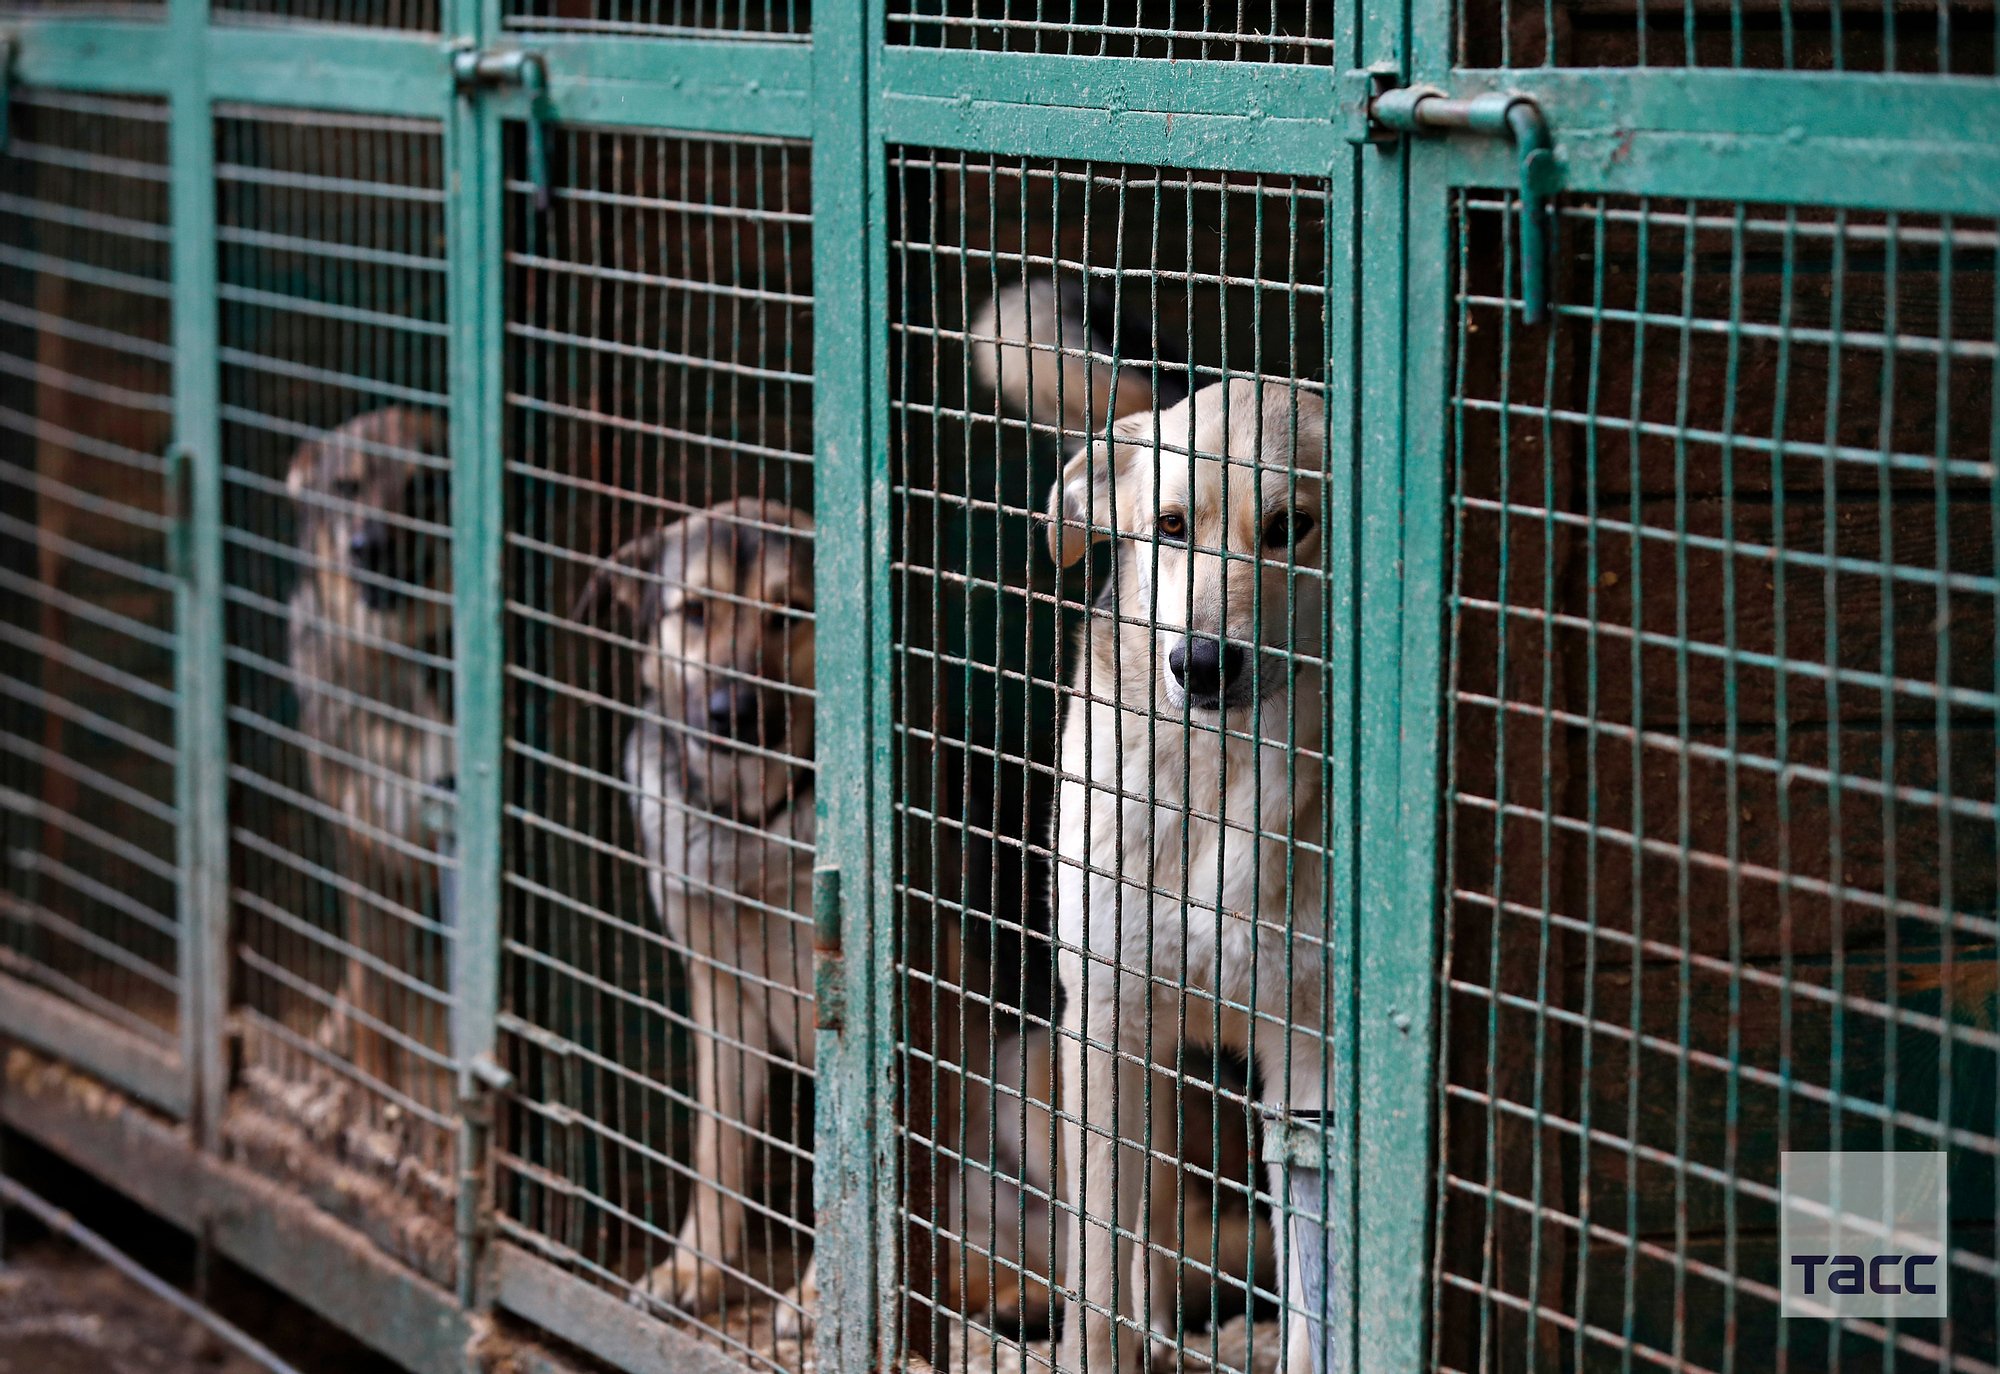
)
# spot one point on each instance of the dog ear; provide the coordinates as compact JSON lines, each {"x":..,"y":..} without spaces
{"x":615,"y":582}
{"x":300,"y":475}
{"x":1081,"y":502}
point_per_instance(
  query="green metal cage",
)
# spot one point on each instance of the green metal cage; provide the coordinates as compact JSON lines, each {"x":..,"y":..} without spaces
{"x":1591,"y":408}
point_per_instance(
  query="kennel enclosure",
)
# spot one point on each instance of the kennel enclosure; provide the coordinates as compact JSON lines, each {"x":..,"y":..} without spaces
{"x":1652,"y":596}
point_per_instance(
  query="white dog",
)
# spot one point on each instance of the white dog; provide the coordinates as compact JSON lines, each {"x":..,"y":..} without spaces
{"x":1186,"y":848}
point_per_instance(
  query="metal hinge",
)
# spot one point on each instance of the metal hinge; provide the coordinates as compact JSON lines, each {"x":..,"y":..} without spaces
{"x":473,"y":71}
{"x":487,"y":1080}
{"x":829,"y":967}
{"x":1381,"y":110}
{"x":178,"y":482}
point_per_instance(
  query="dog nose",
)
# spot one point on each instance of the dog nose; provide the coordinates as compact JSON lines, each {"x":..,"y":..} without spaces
{"x":733,"y":711}
{"x":371,"y":550}
{"x":1206,"y":668}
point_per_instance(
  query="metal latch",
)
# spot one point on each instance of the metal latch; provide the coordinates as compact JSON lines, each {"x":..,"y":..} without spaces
{"x":473,"y":71}
{"x":177,"y":479}
{"x":829,"y":971}
{"x":1498,"y":114}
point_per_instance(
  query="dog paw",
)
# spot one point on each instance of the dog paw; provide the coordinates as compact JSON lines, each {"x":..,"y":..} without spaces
{"x":688,"y":1282}
{"x":332,"y":1032}
{"x":798,"y":1309}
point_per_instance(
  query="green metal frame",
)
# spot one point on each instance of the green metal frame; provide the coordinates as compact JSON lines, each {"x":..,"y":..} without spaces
{"x":1918,"y":144}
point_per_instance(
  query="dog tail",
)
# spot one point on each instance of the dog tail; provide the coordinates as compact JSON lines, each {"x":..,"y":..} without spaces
{"x":1058,"y":352}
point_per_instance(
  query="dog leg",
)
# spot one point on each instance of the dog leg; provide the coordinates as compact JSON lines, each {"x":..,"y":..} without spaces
{"x":1103,"y":1095}
{"x":363,"y":990}
{"x":797,"y":1310}
{"x":729,"y":1103}
{"x":1164,"y":1243}
{"x":1306,"y":1092}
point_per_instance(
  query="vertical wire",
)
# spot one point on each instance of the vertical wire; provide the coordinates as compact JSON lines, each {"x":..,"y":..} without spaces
{"x":1545,"y":623}
{"x":1683,"y":704}
{"x":1733,"y":743}
{"x":1442,"y":1208}
{"x":1830,"y":601}
{"x":903,"y":543}
{"x":1489,"y":1338}
{"x":1635,"y":516}
{"x":1781,"y":696}
{"x":1992,"y":679}
{"x":1885,"y":515}
{"x":1593,"y":733}
{"x":1947,"y":894}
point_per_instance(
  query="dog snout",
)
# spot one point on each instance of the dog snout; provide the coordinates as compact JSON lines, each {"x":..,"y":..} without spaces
{"x":1207,"y":669}
{"x":736,"y":712}
{"x":371,"y":549}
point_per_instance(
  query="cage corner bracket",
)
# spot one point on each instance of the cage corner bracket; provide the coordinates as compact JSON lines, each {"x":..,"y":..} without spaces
{"x":1496,"y":114}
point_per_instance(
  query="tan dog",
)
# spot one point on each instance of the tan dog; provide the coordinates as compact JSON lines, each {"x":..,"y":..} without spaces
{"x":1049,"y":349}
{"x":721,"y":770}
{"x":1174,"y":818}
{"x":370,"y":646}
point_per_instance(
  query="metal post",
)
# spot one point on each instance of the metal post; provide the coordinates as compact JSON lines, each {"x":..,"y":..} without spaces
{"x":473,"y":152}
{"x":202,"y":731}
{"x":855,"y":1175}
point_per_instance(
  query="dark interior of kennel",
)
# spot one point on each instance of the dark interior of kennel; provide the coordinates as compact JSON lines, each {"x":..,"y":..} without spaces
{"x":1954,"y":37}
{"x":1721,"y":850}
{"x":88,"y":811}
{"x":659,"y":361}
{"x":1296,"y":31}
{"x":775,"y":20}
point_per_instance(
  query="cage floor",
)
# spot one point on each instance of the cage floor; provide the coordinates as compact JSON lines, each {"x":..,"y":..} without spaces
{"x":146,"y":1005}
{"x":369,"y":1167}
{"x":1238,"y":1345}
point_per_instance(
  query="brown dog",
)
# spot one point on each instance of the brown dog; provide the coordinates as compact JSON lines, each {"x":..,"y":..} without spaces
{"x":370,"y":645}
{"x":721,"y":771}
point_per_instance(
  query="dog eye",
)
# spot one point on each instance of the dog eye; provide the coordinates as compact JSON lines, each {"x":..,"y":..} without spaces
{"x":1287,"y":529}
{"x":1171,"y":525}
{"x":346,"y":489}
{"x":693,"y":612}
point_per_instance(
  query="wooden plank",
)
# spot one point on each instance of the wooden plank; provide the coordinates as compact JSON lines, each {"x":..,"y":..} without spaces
{"x":1778,"y":857}
{"x":1712,"y":1327}
{"x":1673,"y":1162}
{"x":254,"y":1222}
{"x":1831,"y":628}
{"x":1837,"y":1036}
{"x":146,"y":1069}
{"x":597,"y":1321}
{"x":1692,"y":363}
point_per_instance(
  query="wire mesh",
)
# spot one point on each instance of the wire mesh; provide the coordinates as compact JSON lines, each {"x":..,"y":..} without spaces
{"x":1721,"y":746}
{"x":1033,"y":304}
{"x":410,"y":16}
{"x":656,"y":1003}
{"x":88,"y":908}
{"x":781,"y":20}
{"x":1928,"y":37}
{"x":73,"y":9}
{"x":338,"y":594}
{"x":1296,"y":31}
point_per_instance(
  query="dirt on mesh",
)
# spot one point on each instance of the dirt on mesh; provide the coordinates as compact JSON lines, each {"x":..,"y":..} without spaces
{"x":62,"y":1312}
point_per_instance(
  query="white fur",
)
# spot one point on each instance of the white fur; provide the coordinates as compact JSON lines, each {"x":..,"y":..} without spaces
{"x":1197,"y":822}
